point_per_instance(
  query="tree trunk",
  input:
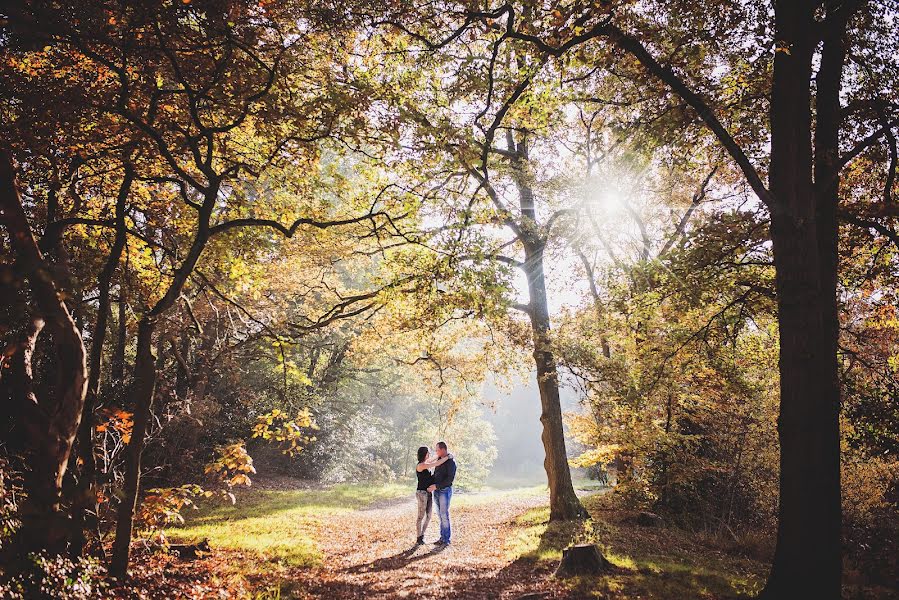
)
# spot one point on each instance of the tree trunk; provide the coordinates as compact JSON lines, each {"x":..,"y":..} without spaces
{"x":807,"y":561}
{"x":84,"y":502}
{"x":49,"y":423}
{"x":144,"y":384}
{"x":182,"y":372}
{"x":581,"y":560}
{"x":117,"y":366}
{"x":563,"y":502}
{"x":142,"y":390}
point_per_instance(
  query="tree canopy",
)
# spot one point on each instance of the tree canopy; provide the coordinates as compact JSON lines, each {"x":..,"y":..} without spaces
{"x":275,"y":233}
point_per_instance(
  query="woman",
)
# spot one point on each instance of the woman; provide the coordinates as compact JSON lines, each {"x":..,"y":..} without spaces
{"x":424,"y":472}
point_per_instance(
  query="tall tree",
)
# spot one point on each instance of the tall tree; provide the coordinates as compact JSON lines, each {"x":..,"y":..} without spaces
{"x":803,"y":168}
{"x":564,"y":504}
{"x":84,"y":503}
{"x":491,"y":218}
{"x":50,"y":422}
{"x":214,"y":96}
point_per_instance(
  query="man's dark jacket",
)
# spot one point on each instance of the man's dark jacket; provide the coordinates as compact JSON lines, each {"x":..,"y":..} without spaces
{"x":444,"y":474}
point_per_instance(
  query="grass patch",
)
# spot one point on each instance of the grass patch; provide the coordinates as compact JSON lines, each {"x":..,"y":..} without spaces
{"x":660,"y":563}
{"x":589,"y":485}
{"x":535,"y":538}
{"x":278,"y":525}
{"x":463,"y":498}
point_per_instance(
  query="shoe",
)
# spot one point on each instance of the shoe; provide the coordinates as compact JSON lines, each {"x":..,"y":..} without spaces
{"x":420,"y":540}
{"x":440,"y":543}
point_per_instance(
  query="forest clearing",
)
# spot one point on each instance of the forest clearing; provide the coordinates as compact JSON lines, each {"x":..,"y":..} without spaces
{"x":325,"y":547}
{"x":449,"y":299}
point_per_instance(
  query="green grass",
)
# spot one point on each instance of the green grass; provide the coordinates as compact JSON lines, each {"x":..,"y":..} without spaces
{"x":488,"y":495}
{"x":660,"y":563}
{"x":588,"y":485}
{"x":278,"y":525}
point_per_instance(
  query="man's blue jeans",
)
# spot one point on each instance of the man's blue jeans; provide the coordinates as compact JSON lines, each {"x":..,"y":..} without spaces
{"x":442,"y":500}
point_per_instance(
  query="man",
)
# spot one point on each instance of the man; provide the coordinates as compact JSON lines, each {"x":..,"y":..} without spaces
{"x":443,"y":492}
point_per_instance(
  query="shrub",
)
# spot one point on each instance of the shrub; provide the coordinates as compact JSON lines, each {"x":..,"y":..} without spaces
{"x":56,"y":578}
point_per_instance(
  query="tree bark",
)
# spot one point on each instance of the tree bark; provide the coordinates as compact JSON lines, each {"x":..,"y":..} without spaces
{"x":117,"y":366}
{"x":84,"y":503}
{"x":182,"y":372}
{"x":807,"y":561}
{"x":50,"y":423}
{"x":142,"y":389}
{"x":563,"y":502}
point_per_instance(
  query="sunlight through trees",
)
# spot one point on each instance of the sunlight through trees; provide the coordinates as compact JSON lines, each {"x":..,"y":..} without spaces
{"x":254,"y":255}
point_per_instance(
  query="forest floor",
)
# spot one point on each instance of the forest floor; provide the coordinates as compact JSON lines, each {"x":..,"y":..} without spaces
{"x":357,"y":542}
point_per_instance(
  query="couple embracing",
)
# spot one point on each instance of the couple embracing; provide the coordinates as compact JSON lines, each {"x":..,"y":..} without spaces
{"x":435,"y":485}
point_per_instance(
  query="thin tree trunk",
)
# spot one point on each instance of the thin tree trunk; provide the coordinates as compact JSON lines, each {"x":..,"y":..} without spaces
{"x":182,"y":371}
{"x":144,"y":384}
{"x":50,"y":423}
{"x":597,"y":302}
{"x":142,"y":389}
{"x":85,"y":499}
{"x":117,"y":366}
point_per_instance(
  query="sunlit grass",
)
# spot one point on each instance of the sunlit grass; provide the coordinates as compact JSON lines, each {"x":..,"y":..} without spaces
{"x":535,"y":538}
{"x":472,"y":498}
{"x":658,"y":563}
{"x":278,"y":525}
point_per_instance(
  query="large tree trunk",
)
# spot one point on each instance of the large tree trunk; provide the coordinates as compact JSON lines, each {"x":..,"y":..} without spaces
{"x":807,"y":561}
{"x":50,"y":423}
{"x":563,"y":502}
{"x":84,"y":503}
{"x":142,"y":390}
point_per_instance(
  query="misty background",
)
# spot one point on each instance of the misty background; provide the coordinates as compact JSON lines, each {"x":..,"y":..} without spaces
{"x":514,"y":413}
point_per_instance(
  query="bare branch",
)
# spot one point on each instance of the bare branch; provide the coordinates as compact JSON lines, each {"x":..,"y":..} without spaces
{"x":698,"y":197}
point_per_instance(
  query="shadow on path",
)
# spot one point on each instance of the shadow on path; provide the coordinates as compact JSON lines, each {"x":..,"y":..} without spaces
{"x":395,"y":562}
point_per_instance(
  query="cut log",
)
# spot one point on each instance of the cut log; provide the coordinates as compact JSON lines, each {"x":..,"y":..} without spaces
{"x":648,"y":519}
{"x":583,"y":559}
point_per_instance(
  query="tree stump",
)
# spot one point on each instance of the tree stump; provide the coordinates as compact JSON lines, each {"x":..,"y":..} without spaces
{"x":191,"y":551}
{"x":583,"y":559}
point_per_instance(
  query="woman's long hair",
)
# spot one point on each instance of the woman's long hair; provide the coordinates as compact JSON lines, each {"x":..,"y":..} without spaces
{"x":423,"y":453}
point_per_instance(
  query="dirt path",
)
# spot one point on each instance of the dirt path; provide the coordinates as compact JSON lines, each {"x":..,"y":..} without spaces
{"x":370,"y":554}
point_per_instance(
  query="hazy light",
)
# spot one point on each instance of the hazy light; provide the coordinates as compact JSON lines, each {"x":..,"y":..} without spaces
{"x":606,"y":201}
